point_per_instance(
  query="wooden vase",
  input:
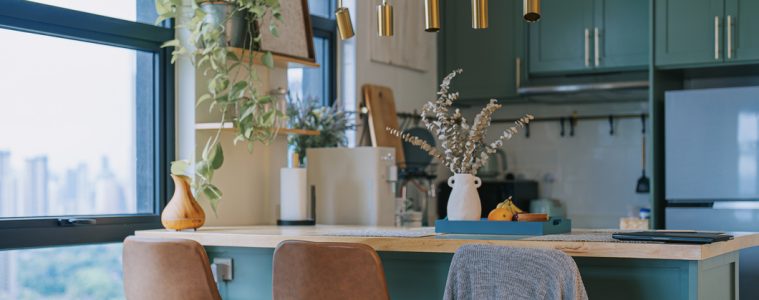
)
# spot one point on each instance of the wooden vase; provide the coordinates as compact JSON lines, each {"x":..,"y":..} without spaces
{"x":182,"y":212}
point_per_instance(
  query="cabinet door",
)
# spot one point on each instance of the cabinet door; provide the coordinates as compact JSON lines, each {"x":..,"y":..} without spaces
{"x":621,"y":32}
{"x":689,"y":32}
{"x":487,"y":56}
{"x":558,"y":42}
{"x":743,"y":32}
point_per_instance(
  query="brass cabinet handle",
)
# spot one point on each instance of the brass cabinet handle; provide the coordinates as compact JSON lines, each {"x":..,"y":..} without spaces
{"x":518,"y":80}
{"x":596,"y":37}
{"x":716,"y":37}
{"x":729,"y":37}
{"x":587,"y":47}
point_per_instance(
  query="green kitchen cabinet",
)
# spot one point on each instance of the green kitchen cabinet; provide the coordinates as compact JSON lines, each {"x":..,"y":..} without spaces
{"x":560,"y":41}
{"x":742,"y":31}
{"x":706,"y":32}
{"x":623,"y":35}
{"x":489,"y":57}
{"x":586,"y":36}
{"x":689,"y":32}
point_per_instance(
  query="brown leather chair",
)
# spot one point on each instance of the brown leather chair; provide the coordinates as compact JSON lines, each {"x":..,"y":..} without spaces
{"x":308,"y":270}
{"x":167,"y":269}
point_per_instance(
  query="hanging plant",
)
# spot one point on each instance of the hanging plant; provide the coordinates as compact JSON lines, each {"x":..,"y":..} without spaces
{"x":231,"y":74}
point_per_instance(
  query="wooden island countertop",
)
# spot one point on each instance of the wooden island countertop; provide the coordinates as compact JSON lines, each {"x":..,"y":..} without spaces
{"x":270,"y":236}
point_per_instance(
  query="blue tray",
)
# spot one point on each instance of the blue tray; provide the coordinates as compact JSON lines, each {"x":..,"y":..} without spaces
{"x":553,"y":226}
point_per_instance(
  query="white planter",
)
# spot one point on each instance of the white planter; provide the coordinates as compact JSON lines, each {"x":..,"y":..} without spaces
{"x":464,"y":202}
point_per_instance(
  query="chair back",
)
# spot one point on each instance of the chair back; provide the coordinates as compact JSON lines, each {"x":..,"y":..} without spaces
{"x":494,"y":272}
{"x":308,"y":270}
{"x":167,"y":269}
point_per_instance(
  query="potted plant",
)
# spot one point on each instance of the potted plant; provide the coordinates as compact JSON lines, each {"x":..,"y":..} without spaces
{"x":330,"y":121}
{"x":464,"y":149}
{"x":232,"y":91}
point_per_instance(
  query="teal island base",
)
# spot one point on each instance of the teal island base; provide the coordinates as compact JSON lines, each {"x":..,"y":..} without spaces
{"x":413,"y":275}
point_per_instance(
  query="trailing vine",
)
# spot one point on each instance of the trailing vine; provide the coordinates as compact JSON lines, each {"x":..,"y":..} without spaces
{"x":232,"y":79}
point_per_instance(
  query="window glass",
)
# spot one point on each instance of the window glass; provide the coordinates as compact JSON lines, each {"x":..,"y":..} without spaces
{"x":322,"y":8}
{"x":80,"y":272}
{"x":77,"y":126}
{"x":306,"y":83}
{"x":131,"y":10}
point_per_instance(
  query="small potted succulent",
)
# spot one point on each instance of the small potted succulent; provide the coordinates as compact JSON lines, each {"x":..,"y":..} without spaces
{"x":331,"y":122}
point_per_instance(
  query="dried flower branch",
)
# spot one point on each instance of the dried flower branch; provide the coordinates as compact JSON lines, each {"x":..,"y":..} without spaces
{"x":463,"y":146}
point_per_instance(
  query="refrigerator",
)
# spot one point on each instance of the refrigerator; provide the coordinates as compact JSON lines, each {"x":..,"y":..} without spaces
{"x":712,"y":166}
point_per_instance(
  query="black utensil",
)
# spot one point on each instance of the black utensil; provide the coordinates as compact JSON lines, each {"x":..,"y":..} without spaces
{"x":644,"y":184}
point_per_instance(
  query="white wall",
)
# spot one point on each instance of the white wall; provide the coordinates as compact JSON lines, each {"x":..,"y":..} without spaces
{"x":595,"y":173}
{"x":411,"y":88}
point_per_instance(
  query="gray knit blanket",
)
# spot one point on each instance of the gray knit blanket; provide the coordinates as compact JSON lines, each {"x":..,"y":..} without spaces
{"x":495,"y":272}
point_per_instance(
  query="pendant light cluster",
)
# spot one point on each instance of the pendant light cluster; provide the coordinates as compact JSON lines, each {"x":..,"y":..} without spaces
{"x":531,"y":13}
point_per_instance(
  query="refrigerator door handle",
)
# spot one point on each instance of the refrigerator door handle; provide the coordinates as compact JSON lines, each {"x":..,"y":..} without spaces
{"x":736,"y":205}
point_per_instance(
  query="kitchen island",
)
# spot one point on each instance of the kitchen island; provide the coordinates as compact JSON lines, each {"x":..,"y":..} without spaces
{"x":416,"y":266}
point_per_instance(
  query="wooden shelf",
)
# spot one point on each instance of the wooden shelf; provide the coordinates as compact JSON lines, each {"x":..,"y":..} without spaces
{"x":230,"y":126}
{"x":281,"y":61}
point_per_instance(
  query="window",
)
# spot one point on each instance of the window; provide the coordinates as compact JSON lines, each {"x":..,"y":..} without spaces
{"x":321,"y":82}
{"x":86,"y":129}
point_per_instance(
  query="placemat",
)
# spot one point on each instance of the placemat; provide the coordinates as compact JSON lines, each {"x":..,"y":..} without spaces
{"x":400,"y":232}
{"x":600,"y":235}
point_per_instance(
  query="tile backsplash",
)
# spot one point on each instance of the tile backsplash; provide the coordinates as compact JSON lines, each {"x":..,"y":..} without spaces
{"x":592,"y":173}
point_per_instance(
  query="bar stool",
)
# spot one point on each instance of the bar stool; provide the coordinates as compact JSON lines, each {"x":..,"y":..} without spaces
{"x":167,"y":269}
{"x":315,"y":271}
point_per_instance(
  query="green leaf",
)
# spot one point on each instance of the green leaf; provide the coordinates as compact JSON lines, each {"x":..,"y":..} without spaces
{"x":213,"y":194}
{"x":273,"y":29}
{"x":206,"y":150}
{"x":180,"y":167}
{"x":217,"y":157}
{"x":238,"y":90}
{"x":250,"y":147}
{"x":202,"y":99}
{"x":171,"y":43}
{"x":268,"y":60}
{"x":202,"y":169}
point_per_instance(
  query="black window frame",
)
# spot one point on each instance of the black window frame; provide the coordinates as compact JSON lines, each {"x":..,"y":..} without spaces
{"x":327,"y":29}
{"x":19,"y":15}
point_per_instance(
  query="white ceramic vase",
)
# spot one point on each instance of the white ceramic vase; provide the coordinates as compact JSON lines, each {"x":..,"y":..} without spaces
{"x":464,"y":202}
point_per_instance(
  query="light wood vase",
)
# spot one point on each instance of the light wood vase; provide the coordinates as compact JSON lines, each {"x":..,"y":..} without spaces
{"x":182,"y":212}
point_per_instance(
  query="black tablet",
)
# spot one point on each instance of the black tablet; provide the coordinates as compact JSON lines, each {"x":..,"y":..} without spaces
{"x":688,"y":237}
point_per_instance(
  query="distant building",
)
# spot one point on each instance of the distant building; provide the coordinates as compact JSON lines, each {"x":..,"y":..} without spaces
{"x":109,"y":194}
{"x":34,"y":201}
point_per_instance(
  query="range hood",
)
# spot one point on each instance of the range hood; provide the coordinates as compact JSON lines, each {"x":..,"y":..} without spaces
{"x":585,"y":84}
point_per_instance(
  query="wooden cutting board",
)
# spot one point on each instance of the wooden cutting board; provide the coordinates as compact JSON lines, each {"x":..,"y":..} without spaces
{"x":381,"y":104}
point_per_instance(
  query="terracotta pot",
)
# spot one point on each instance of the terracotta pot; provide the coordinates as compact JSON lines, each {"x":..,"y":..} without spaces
{"x":464,"y":201}
{"x":182,"y":212}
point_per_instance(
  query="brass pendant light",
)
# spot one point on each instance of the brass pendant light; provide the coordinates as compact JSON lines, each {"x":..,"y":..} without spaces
{"x":431,"y":15}
{"x":531,"y":10}
{"x":385,"y":19}
{"x":344,"y":24}
{"x":480,"y":14}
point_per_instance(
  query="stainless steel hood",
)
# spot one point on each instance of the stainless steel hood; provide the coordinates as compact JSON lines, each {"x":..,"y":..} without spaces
{"x":585,"y":84}
{"x":582,"y":87}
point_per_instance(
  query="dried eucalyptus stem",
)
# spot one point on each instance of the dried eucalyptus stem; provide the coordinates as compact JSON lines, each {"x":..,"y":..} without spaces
{"x":463,"y":147}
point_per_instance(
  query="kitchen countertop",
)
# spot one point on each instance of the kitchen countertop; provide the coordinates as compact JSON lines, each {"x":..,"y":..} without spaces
{"x":270,"y":236}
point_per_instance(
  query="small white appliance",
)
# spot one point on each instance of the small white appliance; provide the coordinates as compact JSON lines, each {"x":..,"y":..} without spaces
{"x":353,"y":186}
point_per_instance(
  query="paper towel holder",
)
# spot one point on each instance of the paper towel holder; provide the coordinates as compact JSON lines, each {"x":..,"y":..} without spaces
{"x":310,"y":222}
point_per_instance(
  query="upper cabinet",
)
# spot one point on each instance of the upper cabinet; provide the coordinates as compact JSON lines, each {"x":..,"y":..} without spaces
{"x":743,"y":30}
{"x":589,"y":36}
{"x":706,"y":32}
{"x":489,"y":56}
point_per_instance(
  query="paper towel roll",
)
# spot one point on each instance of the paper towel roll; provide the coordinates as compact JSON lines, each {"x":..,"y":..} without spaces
{"x":293,"y":194}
